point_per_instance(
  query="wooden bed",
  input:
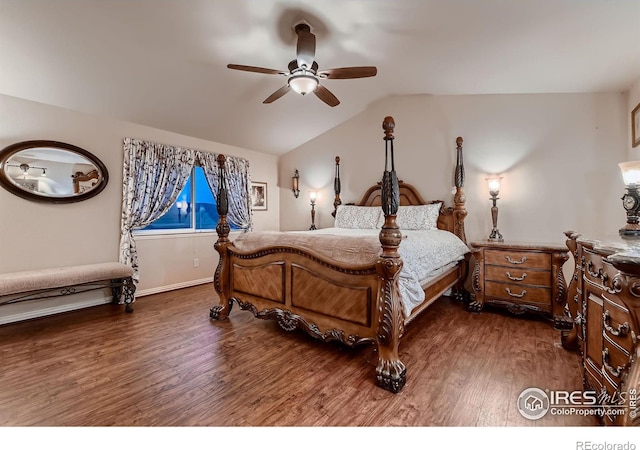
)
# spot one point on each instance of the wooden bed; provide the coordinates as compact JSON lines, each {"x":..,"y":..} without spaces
{"x":300,"y":289}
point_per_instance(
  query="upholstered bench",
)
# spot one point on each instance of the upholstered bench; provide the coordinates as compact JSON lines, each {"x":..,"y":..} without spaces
{"x":37,"y":284}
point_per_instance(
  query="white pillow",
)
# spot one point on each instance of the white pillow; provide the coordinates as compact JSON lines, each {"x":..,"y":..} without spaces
{"x":419,"y":217}
{"x":361,"y":217}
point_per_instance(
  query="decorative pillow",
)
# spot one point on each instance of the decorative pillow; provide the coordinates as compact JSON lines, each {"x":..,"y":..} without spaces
{"x":419,"y":217}
{"x":362,"y":217}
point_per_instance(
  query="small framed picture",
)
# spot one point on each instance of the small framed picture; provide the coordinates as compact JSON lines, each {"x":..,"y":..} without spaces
{"x":258,"y":196}
{"x":635,"y":126}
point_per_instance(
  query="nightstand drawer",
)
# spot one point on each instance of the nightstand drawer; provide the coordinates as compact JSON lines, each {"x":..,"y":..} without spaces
{"x":519,"y":293}
{"x":522,"y":259}
{"x":518,"y":275}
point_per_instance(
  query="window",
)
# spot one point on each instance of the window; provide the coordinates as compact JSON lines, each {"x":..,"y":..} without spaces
{"x":187,"y":215}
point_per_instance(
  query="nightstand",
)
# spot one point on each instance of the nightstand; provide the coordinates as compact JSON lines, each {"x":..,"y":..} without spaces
{"x":522,"y":278}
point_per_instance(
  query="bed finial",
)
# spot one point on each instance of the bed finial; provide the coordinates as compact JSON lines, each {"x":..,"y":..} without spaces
{"x":459,"y":163}
{"x":388,"y":124}
{"x":336,"y":188}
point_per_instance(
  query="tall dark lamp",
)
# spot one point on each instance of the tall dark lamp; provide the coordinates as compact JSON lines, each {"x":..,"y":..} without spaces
{"x":494,"y":190}
{"x":313,"y":195}
{"x":631,"y":199}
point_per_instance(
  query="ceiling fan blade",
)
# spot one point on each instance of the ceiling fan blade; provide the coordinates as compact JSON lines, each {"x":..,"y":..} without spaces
{"x":326,"y":96}
{"x":344,"y":73}
{"x":277,"y":94}
{"x":306,"y":49}
{"x":256,"y":69}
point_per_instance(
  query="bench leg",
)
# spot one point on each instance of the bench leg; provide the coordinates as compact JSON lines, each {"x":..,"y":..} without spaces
{"x":124,"y":288}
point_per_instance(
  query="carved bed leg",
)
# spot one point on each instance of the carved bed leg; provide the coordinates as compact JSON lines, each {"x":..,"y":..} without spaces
{"x":390,"y":372}
{"x":128,"y":290}
{"x":221,"y":278}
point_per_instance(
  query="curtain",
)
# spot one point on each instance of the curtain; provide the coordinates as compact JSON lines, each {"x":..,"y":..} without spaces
{"x":153,"y":176}
{"x":238,"y":178}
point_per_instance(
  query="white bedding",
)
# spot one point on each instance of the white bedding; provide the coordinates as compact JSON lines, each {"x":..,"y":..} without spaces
{"x":424,"y":253}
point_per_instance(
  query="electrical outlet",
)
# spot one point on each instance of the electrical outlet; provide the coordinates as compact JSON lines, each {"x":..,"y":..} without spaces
{"x":196,"y":262}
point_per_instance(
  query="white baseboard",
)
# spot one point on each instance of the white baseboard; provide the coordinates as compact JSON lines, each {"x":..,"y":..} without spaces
{"x":172,"y":287}
{"x":53,"y":310}
{"x":48,"y":311}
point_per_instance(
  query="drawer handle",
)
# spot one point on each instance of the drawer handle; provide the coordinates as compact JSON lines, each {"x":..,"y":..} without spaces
{"x":599,"y":274}
{"x":516,"y":295}
{"x":623,"y":329}
{"x":524,"y":258}
{"x":524,"y":275}
{"x":615,"y":372}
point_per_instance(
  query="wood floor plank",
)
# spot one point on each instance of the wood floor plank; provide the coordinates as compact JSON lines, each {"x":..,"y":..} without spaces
{"x":167,"y":364}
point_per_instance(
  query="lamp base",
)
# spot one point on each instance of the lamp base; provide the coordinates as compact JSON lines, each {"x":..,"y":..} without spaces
{"x":629,"y":233}
{"x":495,"y":236}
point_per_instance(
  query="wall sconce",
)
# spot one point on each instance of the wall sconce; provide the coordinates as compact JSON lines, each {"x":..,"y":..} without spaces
{"x":494,"y":190}
{"x":295,"y":184}
{"x":631,"y":199}
{"x":313,"y":195}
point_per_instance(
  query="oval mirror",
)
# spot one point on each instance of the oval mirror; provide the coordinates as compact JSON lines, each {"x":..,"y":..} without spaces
{"x":50,"y":171}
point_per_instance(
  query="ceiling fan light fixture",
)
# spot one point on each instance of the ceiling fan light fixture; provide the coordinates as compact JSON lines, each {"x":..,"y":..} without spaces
{"x":303,"y":84}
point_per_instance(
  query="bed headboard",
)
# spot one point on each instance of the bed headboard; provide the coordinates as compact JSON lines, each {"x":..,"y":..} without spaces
{"x":409,"y":195}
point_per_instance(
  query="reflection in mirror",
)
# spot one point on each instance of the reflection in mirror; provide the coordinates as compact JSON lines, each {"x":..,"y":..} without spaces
{"x":51,"y":171}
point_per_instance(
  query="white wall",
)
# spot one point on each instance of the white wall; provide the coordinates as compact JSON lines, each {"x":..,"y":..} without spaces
{"x":558,"y":154}
{"x":35,"y":235}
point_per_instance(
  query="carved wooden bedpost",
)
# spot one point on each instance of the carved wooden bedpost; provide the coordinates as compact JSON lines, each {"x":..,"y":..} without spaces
{"x":459,"y":214}
{"x":390,"y":371}
{"x":459,"y":198}
{"x":222,"y":311}
{"x":336,"y":188}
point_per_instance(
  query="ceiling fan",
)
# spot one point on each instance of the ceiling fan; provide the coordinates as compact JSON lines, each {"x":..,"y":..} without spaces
{"x":303,"y":74}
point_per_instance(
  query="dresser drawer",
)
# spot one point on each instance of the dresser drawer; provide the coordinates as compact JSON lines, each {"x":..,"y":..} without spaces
{"x":518,"y":275}
{"x":519,"y":293}
{"x":598,"y":271}
{"x":521,"y":259}
{"x":614,"y":360}
{"x":616,"y":323}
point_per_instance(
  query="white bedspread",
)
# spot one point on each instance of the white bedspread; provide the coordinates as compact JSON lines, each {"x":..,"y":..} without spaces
{"x":422,"y":251}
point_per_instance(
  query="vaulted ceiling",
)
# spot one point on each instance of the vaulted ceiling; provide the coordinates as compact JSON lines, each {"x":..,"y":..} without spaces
{"x":162,"y":63}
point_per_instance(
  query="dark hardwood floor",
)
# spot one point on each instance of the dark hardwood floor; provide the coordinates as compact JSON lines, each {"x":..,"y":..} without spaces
{"x":168,"y":364}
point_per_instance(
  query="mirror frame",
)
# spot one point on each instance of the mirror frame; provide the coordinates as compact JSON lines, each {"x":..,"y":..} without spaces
{"x":11,"y":150}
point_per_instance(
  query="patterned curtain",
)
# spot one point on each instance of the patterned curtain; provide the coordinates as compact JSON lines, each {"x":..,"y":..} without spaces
{"x":153,"y":176}
{"x":238,"y":179}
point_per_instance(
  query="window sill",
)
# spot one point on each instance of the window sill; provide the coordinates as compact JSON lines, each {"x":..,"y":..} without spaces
{"x":180,"y":235}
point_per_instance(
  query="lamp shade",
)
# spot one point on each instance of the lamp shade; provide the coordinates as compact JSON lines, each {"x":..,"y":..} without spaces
{"x":630,"y":172}
{"x":494,"y":185}
{"x":303,"y":84}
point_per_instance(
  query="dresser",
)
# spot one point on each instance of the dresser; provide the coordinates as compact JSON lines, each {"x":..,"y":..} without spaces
{"x":604,"y":305}
{"x":523,"y":278}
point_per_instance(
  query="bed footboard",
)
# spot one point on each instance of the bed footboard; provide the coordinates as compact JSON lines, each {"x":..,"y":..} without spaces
{"x":332,"y":301}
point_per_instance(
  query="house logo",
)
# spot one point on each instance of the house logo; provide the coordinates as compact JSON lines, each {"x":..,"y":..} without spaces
{"x":533,"y":403}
